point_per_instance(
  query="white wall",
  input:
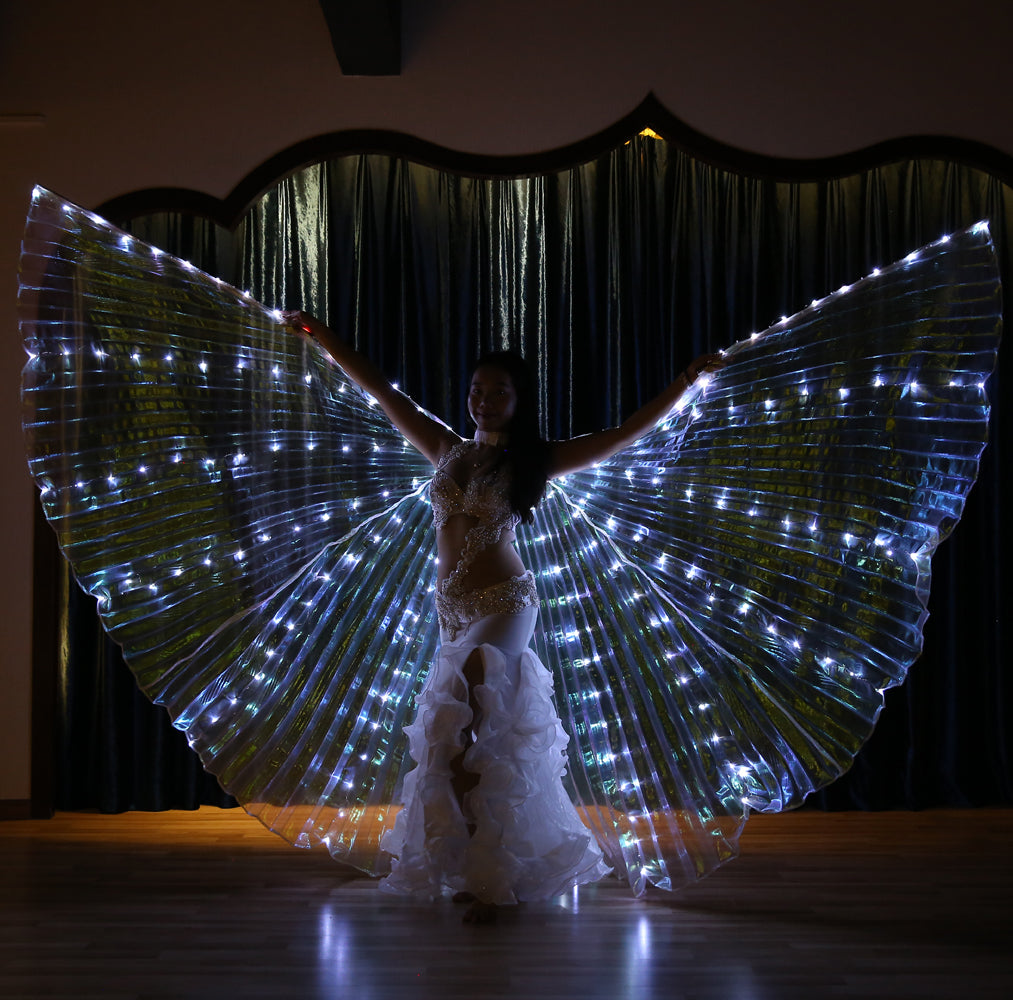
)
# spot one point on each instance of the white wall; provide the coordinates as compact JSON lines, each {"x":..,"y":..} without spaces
{"x":195,"y":94}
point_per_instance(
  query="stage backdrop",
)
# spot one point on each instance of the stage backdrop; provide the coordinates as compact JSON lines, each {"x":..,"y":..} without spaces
{"x":610,"y":275}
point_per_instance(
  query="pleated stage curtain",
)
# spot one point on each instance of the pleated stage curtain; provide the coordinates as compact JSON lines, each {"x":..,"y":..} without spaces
{"x":610,"y":276}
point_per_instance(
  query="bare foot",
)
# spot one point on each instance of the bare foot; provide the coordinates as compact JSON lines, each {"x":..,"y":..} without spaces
{"x":480,"y":913}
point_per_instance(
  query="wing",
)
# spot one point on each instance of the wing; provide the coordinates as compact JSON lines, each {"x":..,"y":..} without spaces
{"x":736,"y":591}
{"x":230,"y":499}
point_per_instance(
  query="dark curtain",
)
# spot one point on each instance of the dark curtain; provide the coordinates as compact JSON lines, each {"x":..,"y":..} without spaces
{"x":610,"y":276}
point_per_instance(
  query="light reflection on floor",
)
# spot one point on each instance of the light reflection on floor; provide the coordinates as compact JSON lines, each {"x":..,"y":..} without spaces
{"x":598,"y":941}
{"x":211,"y":905}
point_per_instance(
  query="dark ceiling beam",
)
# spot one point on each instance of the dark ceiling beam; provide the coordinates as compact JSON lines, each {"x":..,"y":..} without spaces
{"x":366,"y":35}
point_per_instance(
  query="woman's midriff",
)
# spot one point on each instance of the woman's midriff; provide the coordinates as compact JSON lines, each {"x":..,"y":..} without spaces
{"x":492,"y":565}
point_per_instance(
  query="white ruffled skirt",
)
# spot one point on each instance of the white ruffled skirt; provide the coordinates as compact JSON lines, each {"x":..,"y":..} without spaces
{"x":518,"y":836}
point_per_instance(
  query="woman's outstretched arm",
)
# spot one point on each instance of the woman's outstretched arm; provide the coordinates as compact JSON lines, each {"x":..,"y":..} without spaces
{"x":579,"y":453}
{"x":427,"y":434}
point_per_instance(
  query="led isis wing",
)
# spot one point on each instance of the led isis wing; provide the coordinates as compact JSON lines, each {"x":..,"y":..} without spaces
{"x":234,"y":503}
{"x":722,"y":604}
{"x":726,"y":600}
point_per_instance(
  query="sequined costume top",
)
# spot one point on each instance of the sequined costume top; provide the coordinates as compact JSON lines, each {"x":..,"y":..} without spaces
{"x":485,"y":498}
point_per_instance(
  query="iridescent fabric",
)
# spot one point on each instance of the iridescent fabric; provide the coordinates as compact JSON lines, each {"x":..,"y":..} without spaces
{"x":723,"y":603}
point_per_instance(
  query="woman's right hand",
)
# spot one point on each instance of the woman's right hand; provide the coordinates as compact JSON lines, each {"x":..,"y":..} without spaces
{"x":303,"y":324}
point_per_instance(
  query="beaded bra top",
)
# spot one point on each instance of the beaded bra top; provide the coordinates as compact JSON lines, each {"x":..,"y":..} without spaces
{"x":485,"y":498}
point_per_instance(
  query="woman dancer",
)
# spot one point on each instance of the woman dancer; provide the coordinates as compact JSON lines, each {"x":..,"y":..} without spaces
{"x":484,"y":810}
{"x":761,"y":560}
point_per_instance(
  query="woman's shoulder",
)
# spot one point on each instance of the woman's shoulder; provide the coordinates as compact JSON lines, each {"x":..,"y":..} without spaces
{"x":452,"y":446}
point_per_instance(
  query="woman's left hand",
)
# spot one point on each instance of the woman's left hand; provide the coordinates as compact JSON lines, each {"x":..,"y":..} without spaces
{"x":704,"y":363}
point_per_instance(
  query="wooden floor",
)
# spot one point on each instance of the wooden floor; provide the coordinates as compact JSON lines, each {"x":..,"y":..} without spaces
{"x":209,"y":904}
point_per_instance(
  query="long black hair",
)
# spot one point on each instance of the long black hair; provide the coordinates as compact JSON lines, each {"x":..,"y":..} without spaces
{"x":527,"y":452}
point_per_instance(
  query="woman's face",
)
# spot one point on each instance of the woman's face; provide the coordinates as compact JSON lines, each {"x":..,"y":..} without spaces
{"x":492,"y":398}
